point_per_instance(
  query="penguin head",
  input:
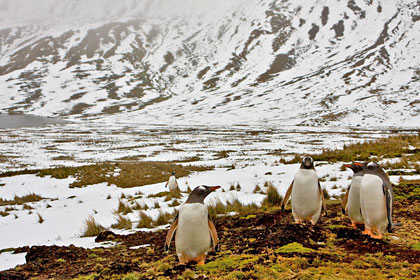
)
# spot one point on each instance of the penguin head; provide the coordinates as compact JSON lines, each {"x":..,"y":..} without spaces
{"x":368,"y":166}
{"x":355,"y":166}
{"x":373,"y":166}
{"x":200,"y":193}
{"x":307,"y":163}
{"x":173,"y":173}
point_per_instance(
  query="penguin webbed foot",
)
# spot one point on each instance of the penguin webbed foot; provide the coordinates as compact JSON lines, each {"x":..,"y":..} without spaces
{"x":217,"y":248}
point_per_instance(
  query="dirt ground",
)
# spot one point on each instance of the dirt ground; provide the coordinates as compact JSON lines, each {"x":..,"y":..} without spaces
{"x":253,"y":241}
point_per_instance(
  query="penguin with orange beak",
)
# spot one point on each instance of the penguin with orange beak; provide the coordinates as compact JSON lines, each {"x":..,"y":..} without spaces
{"x":376,"y":200}
{"x":194,"y":228}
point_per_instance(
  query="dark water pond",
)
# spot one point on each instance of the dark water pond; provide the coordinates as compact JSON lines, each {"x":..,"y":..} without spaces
{"x":16,"y":121}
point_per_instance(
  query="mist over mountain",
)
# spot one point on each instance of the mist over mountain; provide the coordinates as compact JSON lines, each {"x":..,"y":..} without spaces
{"x":331,"y":62}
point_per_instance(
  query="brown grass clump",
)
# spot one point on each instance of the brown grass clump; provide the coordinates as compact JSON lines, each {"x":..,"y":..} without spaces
{"x":123,"y":208}
{"x":21,"y":199}
{"x":40,"y":219}
{"x":216,"y":207}
{"x":273,"y":197}
{"x":145,"y":220}
{"x":174,"y":203}
{"x":27,"y":207}
{"x":176,"y":193}
{"x":91,"y":227}
{"x":122,"y":222}
{"x":406,"y":147}
{"x":391,"y":147}
{"x":163,"y":218}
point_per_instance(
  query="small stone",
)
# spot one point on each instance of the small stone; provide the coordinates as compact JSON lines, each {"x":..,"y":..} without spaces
{"x":395,"y":237}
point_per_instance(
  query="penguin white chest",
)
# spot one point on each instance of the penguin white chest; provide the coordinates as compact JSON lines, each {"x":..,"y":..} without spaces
{"x":172,"y":183}
{"x":192,"y":237}
{"x":353,"y":204}
{"x":373,"y":203}
{"x":305,"y":197}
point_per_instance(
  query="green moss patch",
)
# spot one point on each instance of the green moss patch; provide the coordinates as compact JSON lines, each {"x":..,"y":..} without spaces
{"x":416,"y":246}
{"x":293,"y":248}
{"x":229,"y":263}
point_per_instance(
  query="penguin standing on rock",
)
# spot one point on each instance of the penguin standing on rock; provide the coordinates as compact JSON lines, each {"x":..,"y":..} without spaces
{"x":376,"y":199}
{"x":351,"y":200}
{"x":194,"y":228}
{"x":306,"y":194}
{"x":172,"y":183}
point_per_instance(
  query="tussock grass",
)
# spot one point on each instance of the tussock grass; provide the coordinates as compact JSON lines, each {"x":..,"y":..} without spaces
{"x":123,"y":208}
{"x":174,"y":203}
{"x":176,"y":193}
{"x":406,"y":147}
{"x":123,"y":175}
{"x":273,"y":197}
{"x":326,"y":194}
{"x":391,"y":147}
{"x":222,"y":154}
{"x":216,"y":207}
{"x":407,"y":189}
{"x":145,"y":220}
{"x":257,"y":189}
{"x":91,"y":227}
{"x":19,"y":200}
{"x":122,"y":222}
{"x":27,"y":207}
{"x":40,"y":219}
{"x":3,"y":213}
{"x":188,"y":190}
{"x":137,"y":206}
{"x":163,"y":218}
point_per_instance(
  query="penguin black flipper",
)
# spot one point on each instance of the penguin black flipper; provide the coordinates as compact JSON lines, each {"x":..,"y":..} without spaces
{"x":389,"y":201}
{"x":344,"y":201}
{"x":322,"y":197}
{"x":213,"y":234}
{"x":171,"y":232}
{"x":287,"y":196}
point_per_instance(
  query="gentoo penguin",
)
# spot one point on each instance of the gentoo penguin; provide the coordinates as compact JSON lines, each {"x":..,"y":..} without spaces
{"x":172,"y":183}
{"x":193,"y":228}
{"x":306,"y":193}
{"x":376,"y":199}
{"x":351,"y":200}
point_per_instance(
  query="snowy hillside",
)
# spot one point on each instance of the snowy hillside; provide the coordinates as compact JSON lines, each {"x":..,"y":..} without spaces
{"x":284,"y":62}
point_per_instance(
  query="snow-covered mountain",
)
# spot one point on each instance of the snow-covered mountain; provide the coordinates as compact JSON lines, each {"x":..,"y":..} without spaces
{"x":336,"y":62}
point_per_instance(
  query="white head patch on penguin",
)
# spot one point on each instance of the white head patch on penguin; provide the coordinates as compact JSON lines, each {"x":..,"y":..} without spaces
{"x":200,"y":193}
{"x":307,"y":163}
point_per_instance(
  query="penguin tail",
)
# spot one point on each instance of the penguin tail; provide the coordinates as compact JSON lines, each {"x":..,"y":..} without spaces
{"x":343,"y":211}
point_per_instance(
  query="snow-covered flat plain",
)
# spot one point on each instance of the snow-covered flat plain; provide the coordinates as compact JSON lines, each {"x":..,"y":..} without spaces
{"x":253,"y":155}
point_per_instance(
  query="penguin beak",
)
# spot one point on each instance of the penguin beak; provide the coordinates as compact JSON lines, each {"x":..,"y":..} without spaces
{"x":347,"y":165}
{"x":358,"y":164}
{"x":214,"y":188}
